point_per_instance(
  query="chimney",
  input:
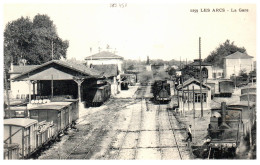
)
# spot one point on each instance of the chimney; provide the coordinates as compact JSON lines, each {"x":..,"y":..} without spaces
{"x":223,"y":114}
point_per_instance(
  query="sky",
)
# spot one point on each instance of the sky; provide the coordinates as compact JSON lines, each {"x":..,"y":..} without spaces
{"x":158,"y":30}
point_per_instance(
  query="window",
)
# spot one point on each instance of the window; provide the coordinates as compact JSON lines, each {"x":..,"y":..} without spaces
{"x":197,"y":97}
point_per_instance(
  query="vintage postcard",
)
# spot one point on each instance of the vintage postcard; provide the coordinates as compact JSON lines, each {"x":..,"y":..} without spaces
{"x":129,"y":80}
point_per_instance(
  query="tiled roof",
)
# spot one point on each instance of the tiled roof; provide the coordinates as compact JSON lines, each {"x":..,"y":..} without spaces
{"x":22,"y":69}
{"x":103,"y":55}
{"x":189,"y":81}
{"x":73,"y":66}
{"x":79,"y":67}
{"x":238,"y":55}
{"x":107,"y":70}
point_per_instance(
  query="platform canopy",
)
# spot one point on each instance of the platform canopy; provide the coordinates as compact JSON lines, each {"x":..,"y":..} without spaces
{"x":59,"y":70}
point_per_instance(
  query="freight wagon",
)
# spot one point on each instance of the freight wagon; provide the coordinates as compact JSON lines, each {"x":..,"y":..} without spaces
{"x":24,"y":136}
{"x":59,"y":113}
{"x":248,"y":90}
{"x":226,"y":88}
{"x":98,"y":95}
{"x":16,"y":112}
{"x":221,"y":88}
{"x":20,"y":133}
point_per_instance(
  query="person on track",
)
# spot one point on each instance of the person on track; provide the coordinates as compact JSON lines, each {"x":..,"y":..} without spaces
{"x":189,"y":134}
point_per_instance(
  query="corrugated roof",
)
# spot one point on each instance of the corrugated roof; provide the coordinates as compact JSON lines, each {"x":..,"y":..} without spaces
{"x":107,"y":70}
{"x":189,"y":81}
{"x":21,"y":122}
{"x":73,"y":66}
{"x":238,"y":55}
{"x":21,"y":69}
{"x":103,"y":55}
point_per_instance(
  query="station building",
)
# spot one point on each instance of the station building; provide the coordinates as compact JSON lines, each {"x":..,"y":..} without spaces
{"x":186,"y":96}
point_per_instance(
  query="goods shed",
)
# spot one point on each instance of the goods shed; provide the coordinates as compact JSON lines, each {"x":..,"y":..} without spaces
{"x":58,"y":78}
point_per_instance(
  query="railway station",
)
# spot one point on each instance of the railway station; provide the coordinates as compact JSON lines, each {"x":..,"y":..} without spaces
{"x":126,"y":88}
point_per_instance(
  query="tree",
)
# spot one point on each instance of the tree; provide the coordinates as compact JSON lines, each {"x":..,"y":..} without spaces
{"x":172,"y":72}
{"x":216,"y":57}
{"x":33,"y":41}
{"x":189,"y":72}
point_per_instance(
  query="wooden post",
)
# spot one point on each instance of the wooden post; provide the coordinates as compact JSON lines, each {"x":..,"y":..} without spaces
{"x":250,"y":134}
{"x":52,"y":86}
{"x":7,"y":94}
{"x":188,"y":99}
{"x":33,"y":82}
{"x":23,"y":143}
{"x":182,"y":96}
{"x":201,"y":101}
{"x":193,"y":100}
{"x":10,"y":134}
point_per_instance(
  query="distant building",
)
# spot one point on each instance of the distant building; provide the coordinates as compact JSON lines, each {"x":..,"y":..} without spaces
{"x":237,"y":62}
{"x":107,"y":58}
{"x":206,"y":68}
{"x":217,"y":73}
{"x":104,"y":58}
{"x":110,"y":71}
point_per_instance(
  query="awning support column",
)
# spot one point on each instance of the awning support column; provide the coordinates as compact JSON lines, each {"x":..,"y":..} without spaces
{"x":79,"y":82}
{"x":34,"y":82}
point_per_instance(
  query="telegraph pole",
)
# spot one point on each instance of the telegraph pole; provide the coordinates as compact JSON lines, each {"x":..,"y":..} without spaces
{"x":201,"y":101}
{"x":51,"y":49}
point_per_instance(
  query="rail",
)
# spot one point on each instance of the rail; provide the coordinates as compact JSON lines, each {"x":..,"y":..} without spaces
{"x":174,"y":134}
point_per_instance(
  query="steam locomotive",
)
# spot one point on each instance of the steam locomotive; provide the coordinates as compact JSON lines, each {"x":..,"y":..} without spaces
{"x":161,"y":91}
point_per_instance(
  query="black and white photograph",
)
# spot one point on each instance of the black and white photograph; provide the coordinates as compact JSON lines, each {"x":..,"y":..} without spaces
{"x":129,"y":80}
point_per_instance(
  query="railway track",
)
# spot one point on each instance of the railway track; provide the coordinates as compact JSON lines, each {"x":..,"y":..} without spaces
{"x":139,"y":132}
{"x":159,"y":131}
{"x":99,"y":131}
{"x":173,"y":131}
{"x":70,"y":155}
{"x":124,"y":137}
